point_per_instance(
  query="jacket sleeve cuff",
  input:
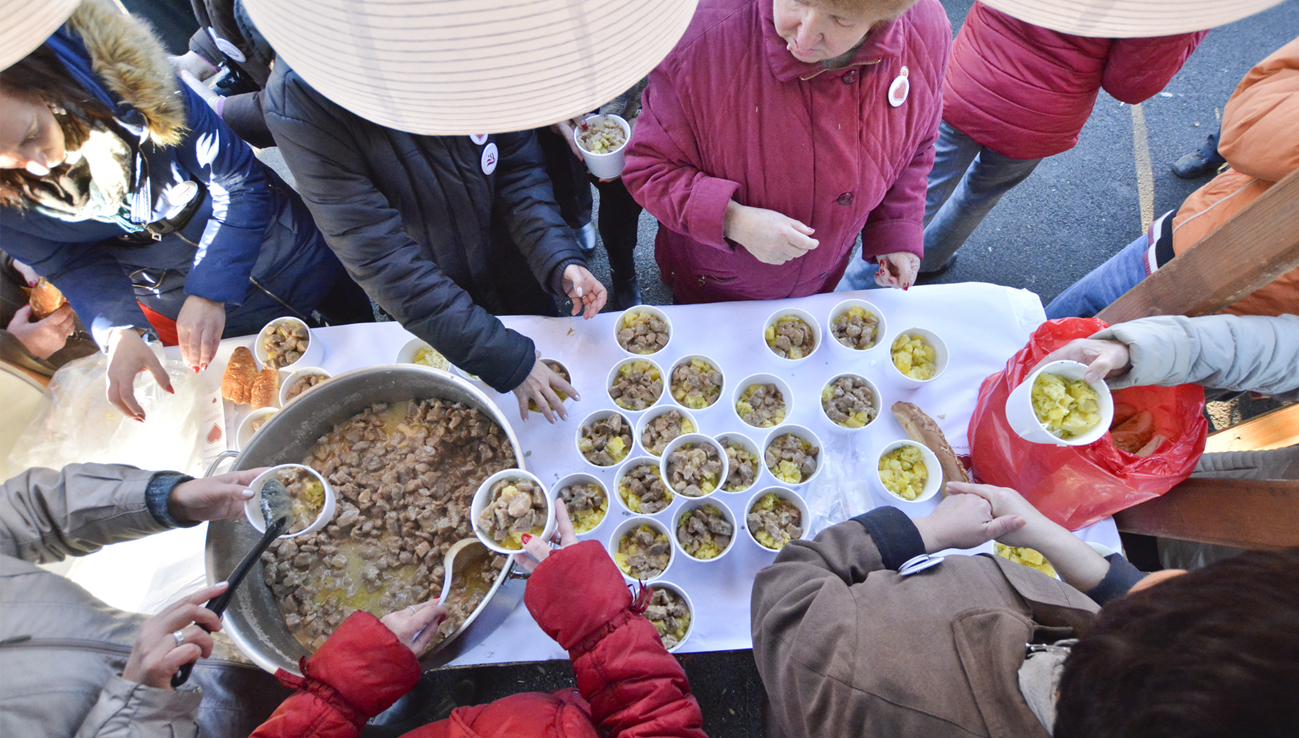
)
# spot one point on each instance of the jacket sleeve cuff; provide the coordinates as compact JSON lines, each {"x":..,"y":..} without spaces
{"x":584,"y":574}
{"x":891,"y":237}
{"x":1121,"y":577}
{"x":158,"y":493}
{"x":896,"y":537}
{"x":129,"y":708}
{"x":365,"y":664}
{"x":706,"y":211}
{"x":556,"y":281}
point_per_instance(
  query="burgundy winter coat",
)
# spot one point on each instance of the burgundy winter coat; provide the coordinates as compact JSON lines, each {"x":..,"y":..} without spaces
{"x":731,"y":114}
{"x":629,"y":685}
{"x":1025,"y":91}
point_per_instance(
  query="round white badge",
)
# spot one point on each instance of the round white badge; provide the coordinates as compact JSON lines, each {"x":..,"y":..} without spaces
{"x":490,"y":158}
{"x":226,"y":47}
{"x":899,"y":89}
{"x":479,"y":138}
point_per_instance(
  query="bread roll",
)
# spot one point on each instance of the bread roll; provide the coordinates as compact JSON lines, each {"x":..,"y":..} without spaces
{"x":922,"y":429}
{"x":237,"y":382}
{"x":266,"y":388}
{"x":45,"y":299}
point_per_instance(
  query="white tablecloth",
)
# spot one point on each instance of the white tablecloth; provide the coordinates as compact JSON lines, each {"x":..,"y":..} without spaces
{"x":982,"y":325}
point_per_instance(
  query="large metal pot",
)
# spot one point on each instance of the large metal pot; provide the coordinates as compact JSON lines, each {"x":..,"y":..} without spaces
{"x":253,"y":620}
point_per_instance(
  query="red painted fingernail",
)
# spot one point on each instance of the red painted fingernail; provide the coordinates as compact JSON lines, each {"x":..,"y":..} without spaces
{"x":203,"y":366}
{"x":31,"y":283}
{"x":170,"y":390}
{"x":195,"y":369}
{"x":526,"y":537}
{"x":139,"y":418}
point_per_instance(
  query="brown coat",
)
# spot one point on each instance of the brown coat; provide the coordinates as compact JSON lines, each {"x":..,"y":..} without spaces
{"x":848,"y":648}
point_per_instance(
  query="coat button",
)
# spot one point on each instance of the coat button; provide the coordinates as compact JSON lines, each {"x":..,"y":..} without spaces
{"x":845,"y":199}
{"x":850,"y":77}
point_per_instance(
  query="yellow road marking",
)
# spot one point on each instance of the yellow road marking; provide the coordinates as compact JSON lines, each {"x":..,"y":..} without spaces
{"x":1145,"y":175}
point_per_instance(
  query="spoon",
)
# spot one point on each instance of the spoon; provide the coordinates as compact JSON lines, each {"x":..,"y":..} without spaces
{"x":277,"y":511}
{"x":451,"y":564}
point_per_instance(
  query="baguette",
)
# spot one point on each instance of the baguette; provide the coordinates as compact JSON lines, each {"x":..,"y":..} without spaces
{"x":45,"y":299}
{"x":266,"y":388}
{"x":241,"y":372}
{"x":922,"y":429}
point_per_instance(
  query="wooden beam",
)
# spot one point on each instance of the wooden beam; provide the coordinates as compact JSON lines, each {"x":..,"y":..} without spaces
{"x":1276,"y":429}
{"x":1257,"y":245}
{"x":1243,"y":513}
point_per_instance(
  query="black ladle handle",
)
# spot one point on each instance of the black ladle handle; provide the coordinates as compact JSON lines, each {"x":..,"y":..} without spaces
{"x":219,"y":603}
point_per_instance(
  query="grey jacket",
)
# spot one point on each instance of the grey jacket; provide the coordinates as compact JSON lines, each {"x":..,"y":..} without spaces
{"x":1256,"y":353}
{"x":62,"y":651}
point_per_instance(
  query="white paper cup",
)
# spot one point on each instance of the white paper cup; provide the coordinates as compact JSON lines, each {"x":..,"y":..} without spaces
{"x":692,"y":505}
{"x":1023,"y":420}
{"x":753,"y":379}
{"x":881,"y":331}
{"x":253,"y":505}
{"x":613,"y":374}
{"x":245,"y":433}
{"x":631,"y":524}
{"x":807,"y":318}
{"x":696,"y":439}
{"x":876,"y":400}
{"x":660,"y":584}
{"x":616,"y":492}
{"x":649,"y":310}
{"x":297,"y":375}
{"x":657,"y":411}
{"x":412,"y":347}
{"x":941,"y":357}
{"x":807,"y":435}
{"x":311,"y":357}
{"x":933,"y":482}
{"x":608,"y":165}
{"x":725,"y":440}
{"x":782,"y":493}
{"x":483,"y":497}
{"x":584,"y":478}
{"x":721,"y":388}
{"x":599,"y":415}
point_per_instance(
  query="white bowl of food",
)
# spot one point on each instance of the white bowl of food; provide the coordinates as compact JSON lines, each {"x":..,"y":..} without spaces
{"x":639,"y":487}
{"x":557,"y":367}
{"x":586,"y":498}
{"x":417,"y":351}
{"x":660,"y":425}
{"x":743,"y":462}
{"x":287,"y":344}
{"x":300,"y":381}
{"x":693,"y":466}
{"x":916,"y":357}
{"x":762,"y":401}
{"x":641,"y":547}
{"x":635,"y":384}
{"x":775,"y":516}
{"x":792,"y":335}
{"x":704,"y":530}
{"x":603,"y":141}
{"x":793,"y":454}
{"x":850,"y":403}
{"x":509,"y":504}
{"x":672,"y":613}
{"x":908,"y":471}
{"x":605,"y":438}
{"x":643,"y":330}
{"x":310,"y":494}
{"x":696,"y":382}
{"x":854,"y":327}
{"x":249,"y":426}
{"x":1056,"y":406}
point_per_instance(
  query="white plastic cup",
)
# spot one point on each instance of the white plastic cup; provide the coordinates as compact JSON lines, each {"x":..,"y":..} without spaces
{"x":721,"y":388}
{"x":725,"y":440}
{"x":941,"y":357}
{"x":610,"y":164}
{"x":660,"y":584}
{"x":584,"y":478}
{"x":782,"y":493}
{"x":753,"y":379}
{"x":657,"y":411}
{"x":633,"y":523}
{"x":628,"y":465}
{"x":807,"y":318}
{"x":695,"y":505}
{"x":649,"y":310}
{"x":412,"y":347}
{"x":696,"y":439}
{"x":311,"y":357}
{"x":483,"y":496}
{"x":876,"y":399}
{"x":613,"y":374}
{"x":244,"y":435}
{"x":807,"y":435}
{"x":296,"y":375}
{"x":1023,"y":420}
{"x":933,"y":482}
{"x":597,"y":416}
{"x":253,"y":505}
{"x":881,"y":331}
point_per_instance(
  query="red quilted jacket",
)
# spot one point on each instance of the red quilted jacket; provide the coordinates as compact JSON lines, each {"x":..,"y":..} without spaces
{"x":629,"y":685}
{"x":1026,"y":91}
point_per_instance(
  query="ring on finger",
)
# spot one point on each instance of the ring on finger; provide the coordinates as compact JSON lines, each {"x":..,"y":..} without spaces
{"x":179,"y":637}
{"x":412,"y":609}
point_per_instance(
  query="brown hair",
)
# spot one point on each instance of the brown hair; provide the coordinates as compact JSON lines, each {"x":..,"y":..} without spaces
{"x":1210,"y":654}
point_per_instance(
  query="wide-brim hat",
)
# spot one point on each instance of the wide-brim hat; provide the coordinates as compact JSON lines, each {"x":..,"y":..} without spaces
{"x":450,"y":67}
{"x":1130,"y":18}
{"x":25,"y":24}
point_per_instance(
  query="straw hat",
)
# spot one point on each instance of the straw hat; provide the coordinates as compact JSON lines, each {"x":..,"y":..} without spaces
{"x":451,"y":67}
{"x":1130,"y":18}
{"x":27,"y":24}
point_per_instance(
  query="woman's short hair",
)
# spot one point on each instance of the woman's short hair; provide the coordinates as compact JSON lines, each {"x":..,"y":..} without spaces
{"x":1213,"y":653}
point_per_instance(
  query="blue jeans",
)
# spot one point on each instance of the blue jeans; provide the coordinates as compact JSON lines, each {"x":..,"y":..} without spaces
{"x":965,"y":184}
{"x":1104,"y":284}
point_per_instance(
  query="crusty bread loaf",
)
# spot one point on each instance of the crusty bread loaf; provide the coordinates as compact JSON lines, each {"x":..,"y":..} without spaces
{"x":45,"y":299}
{"x":266,"y":388}
{"x":241,"y":372}
{"x":922,"y":429}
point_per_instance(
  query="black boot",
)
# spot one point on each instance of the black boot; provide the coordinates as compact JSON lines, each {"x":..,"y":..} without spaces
{"x":626,"y":293}
{"x":1199,"y":163}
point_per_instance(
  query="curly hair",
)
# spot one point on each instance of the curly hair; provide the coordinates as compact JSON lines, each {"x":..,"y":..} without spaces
{"x":1210,"y":654}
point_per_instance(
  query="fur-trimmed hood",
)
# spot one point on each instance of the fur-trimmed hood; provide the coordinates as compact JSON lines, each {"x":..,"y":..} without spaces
{"x":131,"y":63}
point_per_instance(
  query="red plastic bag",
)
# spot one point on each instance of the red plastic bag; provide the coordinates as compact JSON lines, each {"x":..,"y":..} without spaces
{"x":1079,"y":485}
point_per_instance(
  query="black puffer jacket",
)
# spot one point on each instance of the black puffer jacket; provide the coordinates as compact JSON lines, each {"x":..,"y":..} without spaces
{"x":438,"y":243}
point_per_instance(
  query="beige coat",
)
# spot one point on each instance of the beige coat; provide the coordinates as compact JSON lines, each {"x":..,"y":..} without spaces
{"x":62,"y":651}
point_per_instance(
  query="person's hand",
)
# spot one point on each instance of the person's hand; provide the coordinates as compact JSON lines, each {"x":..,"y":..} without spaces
{"x":128,"y":355}
{"x":964,"y":521}
{"x":771,"y":237}
{"x":416,"y":626}
{"x":586,"y":292}
{"x":27,"y":273}
{"x":157,"y":656}
{"x":194,"y":64}
{"x":1007,"y":502}
{"x":564,"y":129}
{"x":42,"y":338}
{"x":540,"y":387}
{"x":1104,"y":359}
{"x":200,"y":88}
{"x":198,"y":331}
{"x":536,"y":550}
{"x":898,"y":270}
{"x":212,"y":498}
